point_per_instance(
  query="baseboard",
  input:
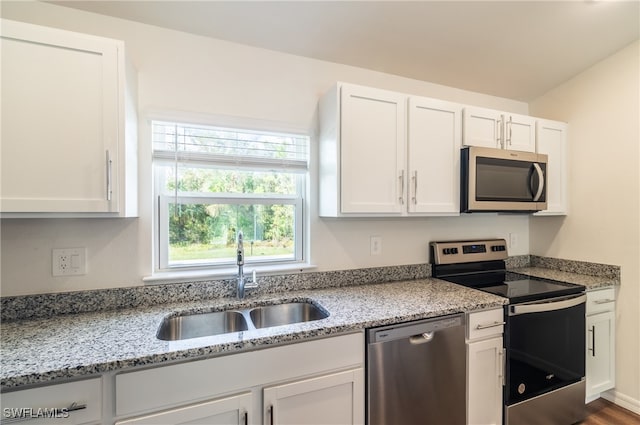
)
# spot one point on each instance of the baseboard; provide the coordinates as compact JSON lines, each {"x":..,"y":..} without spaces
{"x":592,"y":398}
{"x":622,"y":400}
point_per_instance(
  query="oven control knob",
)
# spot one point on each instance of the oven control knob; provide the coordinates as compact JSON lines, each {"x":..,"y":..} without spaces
{"x":455,"y":250}
{"x":521,"y":388}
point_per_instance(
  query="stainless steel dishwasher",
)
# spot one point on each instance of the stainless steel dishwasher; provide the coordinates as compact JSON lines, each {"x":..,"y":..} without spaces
{"x":416,"y":373}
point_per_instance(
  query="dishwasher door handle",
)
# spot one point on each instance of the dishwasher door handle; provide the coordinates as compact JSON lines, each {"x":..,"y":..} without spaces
{"x":422,"y":338}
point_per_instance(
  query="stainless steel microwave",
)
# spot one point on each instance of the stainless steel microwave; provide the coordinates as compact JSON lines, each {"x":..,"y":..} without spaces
{"x":499,"y":180}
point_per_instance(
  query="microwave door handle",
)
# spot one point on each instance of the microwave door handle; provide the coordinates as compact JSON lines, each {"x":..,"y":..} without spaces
{"x":538,"y":194}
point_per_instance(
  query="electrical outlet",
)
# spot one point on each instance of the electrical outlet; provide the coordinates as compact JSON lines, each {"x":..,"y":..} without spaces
{"x":375,"y":247}
{"x":513,"y":240}
{"x":69,"y":261}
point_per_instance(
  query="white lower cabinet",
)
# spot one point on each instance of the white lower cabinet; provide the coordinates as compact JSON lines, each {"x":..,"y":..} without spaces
{"x":224,"y":411}
{"x":601,"y":330}
{"x":485,"y":367}
{"x":78,"y":402}
{"x":290,"y":384}
{"x":335,"y":398}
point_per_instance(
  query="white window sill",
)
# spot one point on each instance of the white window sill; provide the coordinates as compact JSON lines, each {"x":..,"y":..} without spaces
{"x":224,"y":273}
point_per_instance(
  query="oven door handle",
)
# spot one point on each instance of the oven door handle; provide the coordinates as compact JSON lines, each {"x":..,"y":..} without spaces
{"x":540,"y":307}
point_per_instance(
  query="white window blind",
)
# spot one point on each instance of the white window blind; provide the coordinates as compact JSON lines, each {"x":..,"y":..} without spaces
{"x":251,"y":149}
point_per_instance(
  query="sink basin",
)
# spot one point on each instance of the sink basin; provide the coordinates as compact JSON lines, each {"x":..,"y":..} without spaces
{"x":285,"y":314}
{"x":194,"y":325}
{"x":201,"y":324}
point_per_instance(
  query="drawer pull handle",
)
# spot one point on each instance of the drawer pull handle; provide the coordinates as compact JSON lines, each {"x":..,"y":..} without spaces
{"x":491,"y":325}
{"x":24,"y":414}
{"x":606,"y":301}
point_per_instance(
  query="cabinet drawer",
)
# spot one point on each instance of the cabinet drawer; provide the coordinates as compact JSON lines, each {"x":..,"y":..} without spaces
{"x":601,"y":300}
{"x":74,"y":403}
{"x":484,"y":324}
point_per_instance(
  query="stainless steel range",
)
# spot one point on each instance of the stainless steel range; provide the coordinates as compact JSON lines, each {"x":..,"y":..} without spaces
{"x":544,"y":331}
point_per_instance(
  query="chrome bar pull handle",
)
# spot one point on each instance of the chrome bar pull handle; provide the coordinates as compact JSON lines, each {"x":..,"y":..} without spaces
{"x":401,"y":197}
{"x":271,"y":420}
{"x":246,"y":418}
{"x":592,"y":331}
{"x":499,"y":132}
{"x":109,"y":175}
{"x":605,"y":301}
{"x":509,"y":128}
{"x":415,"y":187}
{"x":501,"y":365}
{"x":491,"y":325}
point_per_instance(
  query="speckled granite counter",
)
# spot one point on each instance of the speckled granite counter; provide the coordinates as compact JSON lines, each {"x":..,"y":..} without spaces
{"x":591,"y":275}
{"x":42,"y":350}
{"x":590,"y":282}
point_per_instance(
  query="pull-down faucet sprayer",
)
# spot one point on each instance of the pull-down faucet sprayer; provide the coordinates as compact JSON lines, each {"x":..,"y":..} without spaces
{"x":241,"y":284}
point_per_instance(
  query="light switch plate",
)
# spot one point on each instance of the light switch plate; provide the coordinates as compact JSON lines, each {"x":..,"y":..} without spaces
{"x":69,"y":261}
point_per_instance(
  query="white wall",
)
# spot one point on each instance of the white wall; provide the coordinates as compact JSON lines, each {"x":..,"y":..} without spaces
{"x":182,"y":72}
{"x":602,"y":106}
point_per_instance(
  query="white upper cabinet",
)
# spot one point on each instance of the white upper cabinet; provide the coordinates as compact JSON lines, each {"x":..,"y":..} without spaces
{"x":377,"y":159}
{"x":552,"y":140}
{"x":372,"y":150}
{"x":63,"y":115}
{"x":433,"y":156}
{"x":495,"y":129}
{"x":519,"y":132}
{"x":481,"y":127}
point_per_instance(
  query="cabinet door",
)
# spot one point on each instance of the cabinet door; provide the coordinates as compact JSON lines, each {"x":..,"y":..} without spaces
{"x":482,"y":127}
{"x":520,"y":132}
{"x":372,"y":151}
{"x":331,"y":399}
{"x":600,"y":353}
{"x":485,"y":368}
{"x":59,"y":120}
{"x":433,"y":156}
{"x":551,"y":140}
{"x":227,"y":411}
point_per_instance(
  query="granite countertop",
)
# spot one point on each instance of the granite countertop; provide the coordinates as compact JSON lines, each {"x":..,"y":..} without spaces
{"x":589,"y":282}
{"x":37,"y":351}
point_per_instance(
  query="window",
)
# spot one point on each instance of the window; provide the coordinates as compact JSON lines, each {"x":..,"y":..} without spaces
{"x":211,"y":183}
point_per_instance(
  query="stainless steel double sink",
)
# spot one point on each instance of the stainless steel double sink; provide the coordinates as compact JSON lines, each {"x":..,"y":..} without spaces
{"x":194,"y":325}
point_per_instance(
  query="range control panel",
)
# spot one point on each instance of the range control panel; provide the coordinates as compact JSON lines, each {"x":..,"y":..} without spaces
{"x":451,"y":252}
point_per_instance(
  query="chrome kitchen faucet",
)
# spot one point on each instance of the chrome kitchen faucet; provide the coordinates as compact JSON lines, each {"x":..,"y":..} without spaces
{"x":241,"y":284}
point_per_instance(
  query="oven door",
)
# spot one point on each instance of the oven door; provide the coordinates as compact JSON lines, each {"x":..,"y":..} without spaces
{"x":545,"y":343}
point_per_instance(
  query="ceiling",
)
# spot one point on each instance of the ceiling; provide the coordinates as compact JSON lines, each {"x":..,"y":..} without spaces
{"x":513,"y":49}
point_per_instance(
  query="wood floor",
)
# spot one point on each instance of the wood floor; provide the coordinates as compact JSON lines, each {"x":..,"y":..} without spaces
{"x":603,"y":412}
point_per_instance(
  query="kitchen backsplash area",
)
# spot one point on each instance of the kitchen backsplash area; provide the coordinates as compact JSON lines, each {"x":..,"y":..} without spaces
{"x":48,"y":305}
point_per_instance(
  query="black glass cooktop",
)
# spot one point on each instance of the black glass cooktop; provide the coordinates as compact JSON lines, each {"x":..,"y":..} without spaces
{"x":531,"y":289}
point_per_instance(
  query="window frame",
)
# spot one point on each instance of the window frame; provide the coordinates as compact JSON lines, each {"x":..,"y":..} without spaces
{"x":162,"y":200}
